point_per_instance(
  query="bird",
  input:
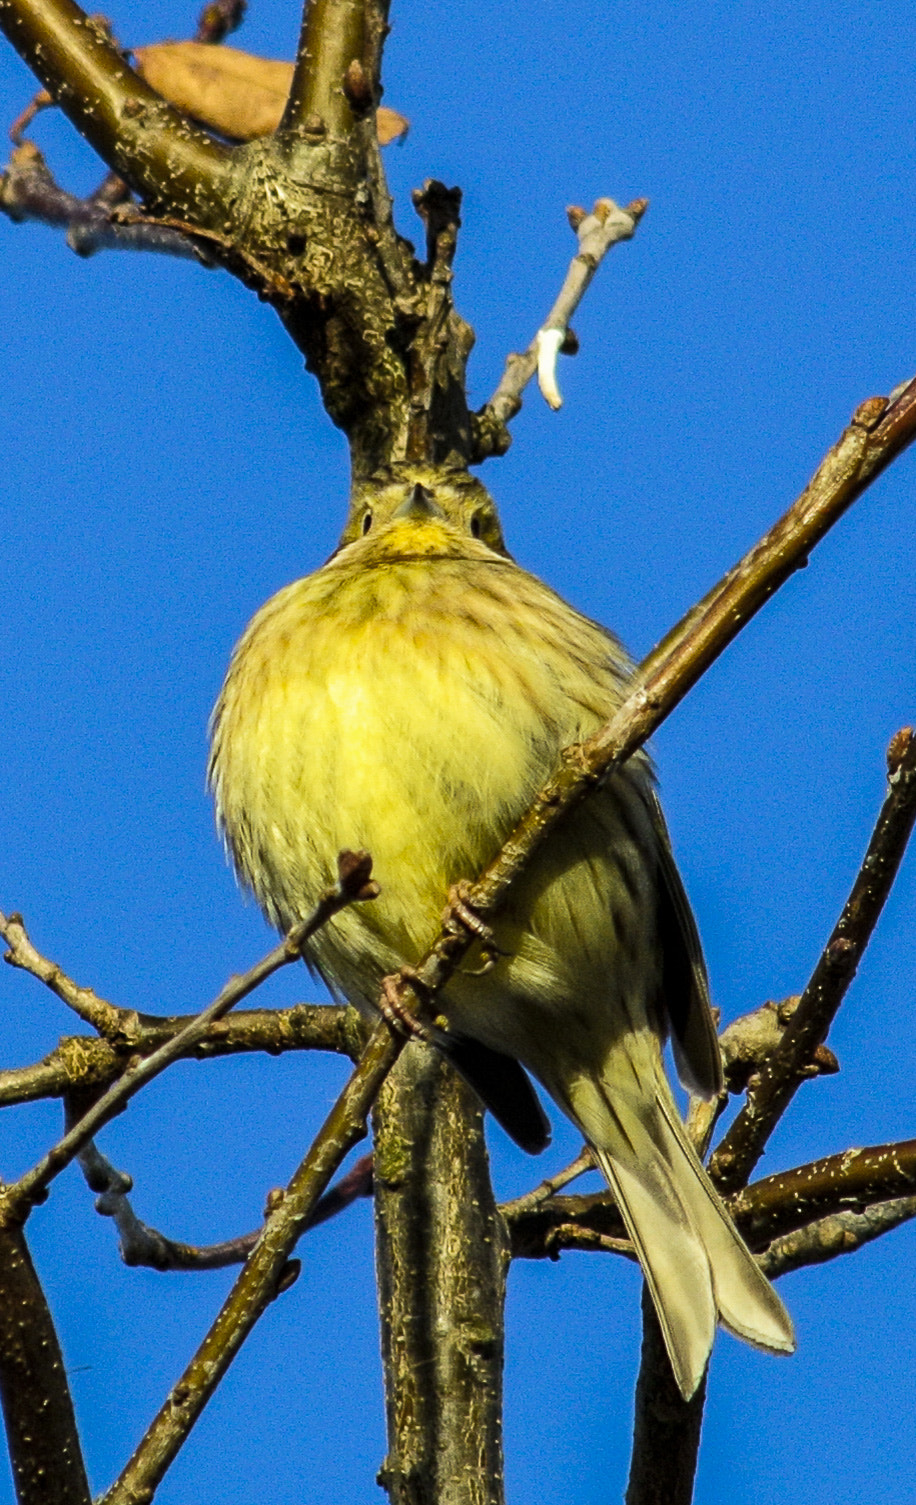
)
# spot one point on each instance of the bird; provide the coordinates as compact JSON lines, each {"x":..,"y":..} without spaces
{"x":409,"y":698}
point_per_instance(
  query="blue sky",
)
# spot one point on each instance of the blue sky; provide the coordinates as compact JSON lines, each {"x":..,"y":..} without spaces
{"x":167,"y":466}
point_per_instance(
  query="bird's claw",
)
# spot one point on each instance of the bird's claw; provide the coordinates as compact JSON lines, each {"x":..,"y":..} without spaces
{"x":395,"y":1012}
{"x":459,"y":910}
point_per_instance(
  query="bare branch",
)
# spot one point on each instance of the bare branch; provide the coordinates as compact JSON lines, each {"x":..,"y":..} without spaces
{"x":854,"y":1180}
{"x":842,"y":1233}
{"x":597,"y":232}
{"x":746,"y":1044}
{"x":258,"y":1282}
{"x":540,"y":1229}
{"x":218,"y":19}
{"x":329,"y":94}
{"x":81,"y":1062}
{"x":354,"y":884}
{"x":441,"y":1262}
{"x":666,"y":1428}
{"x":770,"y":1093}
{"x":880,"y":429}
{"x":519,"y":1206}
{"x":110,"y":1022}
{"x":44,"y":1444}
{"x":28,"y":191}
{"x":142,"y":1245}
{"x":134,"y":131}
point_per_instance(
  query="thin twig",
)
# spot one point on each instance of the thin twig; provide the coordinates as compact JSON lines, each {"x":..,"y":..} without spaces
{"x":218,"y":19}
{"x":142,"y":1245}
{"x":28,"y":191}
{"x":597,"y":232}
{"x":110,"y":1022}
{"x":779,"y":1079}
{"x":354,"y":884}
{"x":519,"y":1206}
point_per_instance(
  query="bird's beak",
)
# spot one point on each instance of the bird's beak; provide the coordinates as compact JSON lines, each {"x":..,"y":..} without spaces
{"x":420,"y":505}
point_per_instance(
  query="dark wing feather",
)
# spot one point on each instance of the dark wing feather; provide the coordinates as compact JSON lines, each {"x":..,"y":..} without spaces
{"x":502,"y":1086}
{"x":685,"y":989}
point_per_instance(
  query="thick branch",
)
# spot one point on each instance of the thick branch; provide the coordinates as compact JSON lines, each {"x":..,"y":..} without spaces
{"x":334,"y":36}
{"x":843,"y":1233}
{"x":44,"y":1444}
{"x":666,"y":1428}
{"x":442,"y":1267}
{"x":788,"y":1067}
{"x":141,"y":138}
{"x":853,"y":1181}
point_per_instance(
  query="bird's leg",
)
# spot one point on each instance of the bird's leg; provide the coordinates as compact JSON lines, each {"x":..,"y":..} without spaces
{"x":393,"y":1009}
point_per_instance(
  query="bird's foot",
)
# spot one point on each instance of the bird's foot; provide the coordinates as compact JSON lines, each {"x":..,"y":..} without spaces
{"x":459,"y":911}
{"x":394,"y":1010}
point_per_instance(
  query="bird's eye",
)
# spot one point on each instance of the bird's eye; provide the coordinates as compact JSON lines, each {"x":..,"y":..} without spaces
{"x":475,"y":525}
{"x":367,"y":522}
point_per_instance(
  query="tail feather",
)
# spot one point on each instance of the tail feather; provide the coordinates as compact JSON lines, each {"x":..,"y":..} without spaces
{"x":697,"y":1268}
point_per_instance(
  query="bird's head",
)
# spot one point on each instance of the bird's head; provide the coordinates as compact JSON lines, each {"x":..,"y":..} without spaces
{"x":422,"y":509}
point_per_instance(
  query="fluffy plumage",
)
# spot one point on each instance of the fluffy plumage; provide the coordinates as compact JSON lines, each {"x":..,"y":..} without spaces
{"x":410,"y":698}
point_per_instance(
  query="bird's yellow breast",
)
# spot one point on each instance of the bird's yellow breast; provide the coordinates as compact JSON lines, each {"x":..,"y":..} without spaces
{"x":411,"y":706}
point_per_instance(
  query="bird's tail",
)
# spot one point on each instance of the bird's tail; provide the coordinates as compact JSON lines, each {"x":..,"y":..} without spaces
{"x":697,"y":1268}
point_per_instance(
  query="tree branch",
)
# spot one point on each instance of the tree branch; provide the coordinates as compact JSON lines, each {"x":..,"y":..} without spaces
{"x":142,"y":1245}
{"x":597,"y":232}
{"x":880,"y":429}
{"x":108,"y":1020}
{"x":779,"y":1079}
{"x":257,"y":1285}
{"x":746,"y":1045}
{"x":442,"y":1264}
{"x":28,"y":192}
{"x":334,"y":36}
{"x":666,"y":1428}
{"x":852,"y":1181}
{"x":44,"y":1444}
{"x":134,"y":131}
{"x":81,"y":1062}
{"x":354,"y":885}
{"x":842,"y":1233}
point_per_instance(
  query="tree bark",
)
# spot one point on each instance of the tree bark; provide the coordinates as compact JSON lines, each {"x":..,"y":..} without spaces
{"x":45,"y":1453}
{"x":442,"y":1258}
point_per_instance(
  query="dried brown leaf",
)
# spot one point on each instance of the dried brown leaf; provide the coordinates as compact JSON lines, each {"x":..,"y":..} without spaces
{"x":232,"y":92}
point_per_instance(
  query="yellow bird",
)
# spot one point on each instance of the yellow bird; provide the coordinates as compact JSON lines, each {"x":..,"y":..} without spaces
{"x":410,"y":698}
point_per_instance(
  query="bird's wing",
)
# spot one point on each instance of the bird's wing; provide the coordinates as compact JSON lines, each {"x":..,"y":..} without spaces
{"x":685,"y":989}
